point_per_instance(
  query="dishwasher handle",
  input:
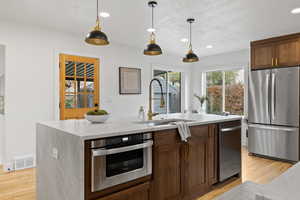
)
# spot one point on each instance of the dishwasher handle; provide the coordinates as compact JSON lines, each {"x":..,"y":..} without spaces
{"x":230,"y":129}
{"x":104,"y":152}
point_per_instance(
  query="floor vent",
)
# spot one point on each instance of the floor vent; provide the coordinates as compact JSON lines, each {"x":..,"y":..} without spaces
{"x":23,"y":162}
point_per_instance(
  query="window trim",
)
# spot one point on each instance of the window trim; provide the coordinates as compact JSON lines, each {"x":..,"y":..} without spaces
{"x":182,"y":84}
{"x":223,"y":70}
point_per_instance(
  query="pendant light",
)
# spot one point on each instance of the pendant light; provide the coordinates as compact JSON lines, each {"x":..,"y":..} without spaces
{"x":190,"y":56}
{"x":152,"y":48}
{"x":96,"y":36}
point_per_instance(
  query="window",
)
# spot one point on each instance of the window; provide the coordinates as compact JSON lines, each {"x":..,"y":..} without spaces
{"x":225,"y":91}
{"x":171,"y":83}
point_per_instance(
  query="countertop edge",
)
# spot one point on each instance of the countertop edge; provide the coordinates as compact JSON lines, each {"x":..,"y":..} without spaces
{"x":138,"y":129}
{"x":156,"y":128}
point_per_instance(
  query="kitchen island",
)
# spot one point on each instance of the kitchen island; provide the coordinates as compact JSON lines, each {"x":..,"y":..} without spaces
{"x":70,"y":165}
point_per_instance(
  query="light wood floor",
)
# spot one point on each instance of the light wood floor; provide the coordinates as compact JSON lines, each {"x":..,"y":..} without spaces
{"x":258,"y":170}
{"x":21,"y":185}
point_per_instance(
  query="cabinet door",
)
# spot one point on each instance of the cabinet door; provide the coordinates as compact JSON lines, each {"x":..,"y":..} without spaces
{"x":213,"y":154}
{"x":197,"y":163}
{"x":287,"y":53}
{"x":262,"y":56}
{"x":166,"y":183}
{"x":140,"y":192}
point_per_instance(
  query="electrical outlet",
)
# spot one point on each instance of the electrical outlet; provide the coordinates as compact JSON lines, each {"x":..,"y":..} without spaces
{"x":55,"y":153}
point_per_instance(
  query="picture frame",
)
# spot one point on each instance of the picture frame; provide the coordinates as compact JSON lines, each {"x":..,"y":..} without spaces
{"x":130,"y":81}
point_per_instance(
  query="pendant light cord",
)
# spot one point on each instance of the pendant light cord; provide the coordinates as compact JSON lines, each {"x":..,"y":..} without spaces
{"x":190,"y":35}
{"x":97,"y":10}
{"x":152,"y":36}
{"x":152,"y":24}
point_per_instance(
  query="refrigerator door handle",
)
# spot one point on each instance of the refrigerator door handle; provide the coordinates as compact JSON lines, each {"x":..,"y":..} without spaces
{"x":267,"y":89}
{"x":275,"y":128}
{"x":273,"y":97}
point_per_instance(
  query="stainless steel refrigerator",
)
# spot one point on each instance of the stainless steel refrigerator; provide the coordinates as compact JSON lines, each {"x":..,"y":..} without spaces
{"x":273,"y":113}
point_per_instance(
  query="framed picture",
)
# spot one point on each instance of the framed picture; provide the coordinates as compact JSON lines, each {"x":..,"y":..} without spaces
{"x":129,"y":80}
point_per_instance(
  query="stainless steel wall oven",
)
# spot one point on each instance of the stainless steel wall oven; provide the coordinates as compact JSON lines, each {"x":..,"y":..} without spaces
{"x":121,"y":159}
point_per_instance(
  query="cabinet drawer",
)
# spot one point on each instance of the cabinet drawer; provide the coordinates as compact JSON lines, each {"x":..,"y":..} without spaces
{"x":166,"y":137}
{"x":199,"y":131}
{"x":139,"y":192}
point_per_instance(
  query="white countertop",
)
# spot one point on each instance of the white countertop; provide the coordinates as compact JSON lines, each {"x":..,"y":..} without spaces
{"x":86,"y":130}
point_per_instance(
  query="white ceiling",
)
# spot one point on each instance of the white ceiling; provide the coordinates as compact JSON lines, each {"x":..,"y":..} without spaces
{"x":228,"y":25}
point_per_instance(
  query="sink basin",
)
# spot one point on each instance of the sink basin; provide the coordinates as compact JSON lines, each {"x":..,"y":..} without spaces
{"x":163,"y":122}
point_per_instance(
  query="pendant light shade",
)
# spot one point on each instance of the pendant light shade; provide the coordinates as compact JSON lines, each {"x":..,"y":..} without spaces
{"x":190,"y":56}
{"x":96,"y":36}
{"x":152,"y":48}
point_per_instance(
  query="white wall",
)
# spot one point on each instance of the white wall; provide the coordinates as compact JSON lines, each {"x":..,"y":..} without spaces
{"x":2,"y":57}
{"x":232,"y":60}
{"x":2,"y":138}
{"x":32,"y":79}
{"x":2,"y":54}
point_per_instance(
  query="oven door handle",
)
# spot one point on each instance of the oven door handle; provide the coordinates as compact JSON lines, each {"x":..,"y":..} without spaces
{"x":104,"y":152}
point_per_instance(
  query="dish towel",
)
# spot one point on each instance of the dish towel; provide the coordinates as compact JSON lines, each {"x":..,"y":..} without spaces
{"x":184,"y":130}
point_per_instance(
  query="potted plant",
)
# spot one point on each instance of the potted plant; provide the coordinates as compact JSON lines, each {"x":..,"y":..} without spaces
{"x":97,"y":116}
{"x":202,"y":100}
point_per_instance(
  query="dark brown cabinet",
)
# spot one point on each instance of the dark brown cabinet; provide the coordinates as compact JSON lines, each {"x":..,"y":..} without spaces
{"x":167,"y":164}
{"x":213,"y":154}
{"x":262,"y":56}
{"x":140,"y":192}
{"x":287,"y":53}
{"x":276,"y":52}
{"x":196,"y":182}
{"x":184,"y":170}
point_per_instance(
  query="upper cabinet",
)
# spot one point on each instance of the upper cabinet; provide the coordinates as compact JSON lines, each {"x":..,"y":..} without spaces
{"x":276,"y":52}
{"x":262,"y":56}
{"x":287,"y":53}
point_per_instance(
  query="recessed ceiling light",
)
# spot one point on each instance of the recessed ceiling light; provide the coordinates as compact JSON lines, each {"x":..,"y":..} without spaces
{"x":184,"y":40}
{"x":151,"y":30}
{"x":104,"y":14}
{"x":295,"y":11}
{"x":209,"y":46}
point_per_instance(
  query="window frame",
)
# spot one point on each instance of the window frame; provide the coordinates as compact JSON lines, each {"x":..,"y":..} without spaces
{"x":223,"y":70}
{"x":182,"y":85}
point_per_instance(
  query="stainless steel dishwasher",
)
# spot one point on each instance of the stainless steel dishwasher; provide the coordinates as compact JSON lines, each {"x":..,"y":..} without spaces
{"x":229,"y":150}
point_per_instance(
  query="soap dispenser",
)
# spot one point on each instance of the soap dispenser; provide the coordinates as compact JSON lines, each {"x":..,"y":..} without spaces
{"x":142,"y":114}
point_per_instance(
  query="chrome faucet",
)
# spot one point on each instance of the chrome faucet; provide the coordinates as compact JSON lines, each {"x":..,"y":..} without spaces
{"x":162,"y":101}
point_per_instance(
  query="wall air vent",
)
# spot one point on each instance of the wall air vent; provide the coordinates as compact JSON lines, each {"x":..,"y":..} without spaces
{"x":23,"y":162}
